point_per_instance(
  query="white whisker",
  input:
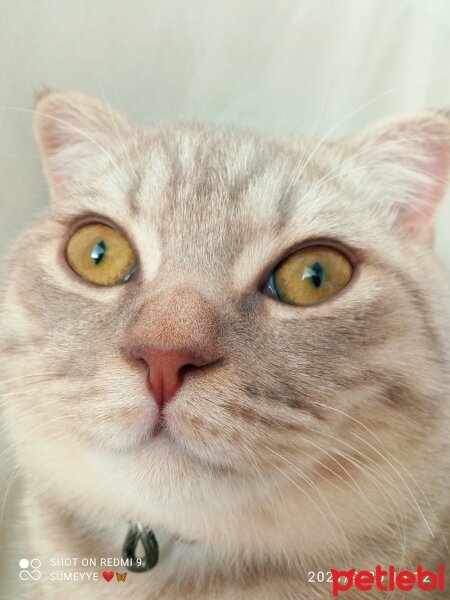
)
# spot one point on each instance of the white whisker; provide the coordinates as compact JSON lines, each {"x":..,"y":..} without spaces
{"x":314,"y":486}
{"x":383,"y":457}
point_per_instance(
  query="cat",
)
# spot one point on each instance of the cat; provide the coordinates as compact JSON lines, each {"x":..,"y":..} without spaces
{"x":239,"y":342}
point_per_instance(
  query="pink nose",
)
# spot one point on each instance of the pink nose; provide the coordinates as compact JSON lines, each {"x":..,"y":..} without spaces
{"x":166,"y":370}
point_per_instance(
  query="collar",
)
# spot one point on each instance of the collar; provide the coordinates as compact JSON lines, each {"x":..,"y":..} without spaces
{"x":138,"y":533}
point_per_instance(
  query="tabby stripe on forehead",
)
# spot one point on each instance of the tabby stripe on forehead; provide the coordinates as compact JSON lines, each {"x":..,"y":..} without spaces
{"x":287,"y":208}
{"x":133,"y":194}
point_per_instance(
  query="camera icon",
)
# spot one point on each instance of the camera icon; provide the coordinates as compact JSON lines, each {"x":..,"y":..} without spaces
{"x":25,"y":574}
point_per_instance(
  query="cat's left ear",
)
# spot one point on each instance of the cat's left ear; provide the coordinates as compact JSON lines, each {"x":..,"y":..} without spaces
{"x":404,"y":167}
{"x":77,"y":135}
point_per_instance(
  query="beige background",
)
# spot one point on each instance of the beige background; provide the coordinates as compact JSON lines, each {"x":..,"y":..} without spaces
{"x":306,"y":66}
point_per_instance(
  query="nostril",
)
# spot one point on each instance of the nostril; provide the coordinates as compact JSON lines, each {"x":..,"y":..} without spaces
{"x":190,"y":367}
{"x":199,"y":366}
{"x":186,"y":369}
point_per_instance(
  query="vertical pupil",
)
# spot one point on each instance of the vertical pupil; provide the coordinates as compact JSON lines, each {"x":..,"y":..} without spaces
{"x":98,"y":252}
{"x":316,"y":274}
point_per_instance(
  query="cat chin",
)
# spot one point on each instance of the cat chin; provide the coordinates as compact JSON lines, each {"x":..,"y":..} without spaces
{"x":165,"y":449}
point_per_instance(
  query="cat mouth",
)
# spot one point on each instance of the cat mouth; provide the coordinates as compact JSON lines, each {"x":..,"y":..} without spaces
{"x":159,"y":428}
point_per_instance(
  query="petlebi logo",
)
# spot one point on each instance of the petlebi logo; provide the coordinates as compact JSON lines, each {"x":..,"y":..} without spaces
{"x":30,"y":569}
{"x":388,"y":580}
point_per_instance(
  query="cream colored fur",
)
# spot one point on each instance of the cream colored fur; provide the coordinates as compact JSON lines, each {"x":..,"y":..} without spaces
{"x":320,"y":441}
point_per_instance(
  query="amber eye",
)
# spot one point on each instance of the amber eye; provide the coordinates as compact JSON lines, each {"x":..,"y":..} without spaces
{"x":311,"y":275}
{"x":101,"y":255}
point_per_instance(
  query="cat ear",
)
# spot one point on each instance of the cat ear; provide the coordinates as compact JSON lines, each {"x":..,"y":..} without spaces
{"x":404,"y":167}
{"x":76,"y":136}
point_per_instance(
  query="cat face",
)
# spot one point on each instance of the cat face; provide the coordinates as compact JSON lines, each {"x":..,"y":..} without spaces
{"x":196,"y":386}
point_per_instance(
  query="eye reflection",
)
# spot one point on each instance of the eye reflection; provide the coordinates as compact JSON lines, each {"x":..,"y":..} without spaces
{"x":315,"y":274}
{"x":98,"y":252}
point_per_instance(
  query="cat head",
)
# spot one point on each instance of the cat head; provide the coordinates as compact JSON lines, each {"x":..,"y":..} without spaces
{"x":216,"y":332}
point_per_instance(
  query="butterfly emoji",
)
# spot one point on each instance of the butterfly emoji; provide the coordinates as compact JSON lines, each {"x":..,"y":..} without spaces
{"x":121,"y":576}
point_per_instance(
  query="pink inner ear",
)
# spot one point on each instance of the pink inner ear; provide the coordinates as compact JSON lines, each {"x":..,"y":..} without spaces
{"x":53,"y":140}
{"x":71,"y":130}
{"x":417,"y":218}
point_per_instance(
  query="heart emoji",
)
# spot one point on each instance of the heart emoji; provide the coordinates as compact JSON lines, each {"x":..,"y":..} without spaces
{"x":108,"y":575}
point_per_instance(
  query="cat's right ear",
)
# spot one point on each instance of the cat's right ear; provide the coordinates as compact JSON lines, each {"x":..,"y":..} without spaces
{"x":403,"y":167}
{"x":76,"y":135}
